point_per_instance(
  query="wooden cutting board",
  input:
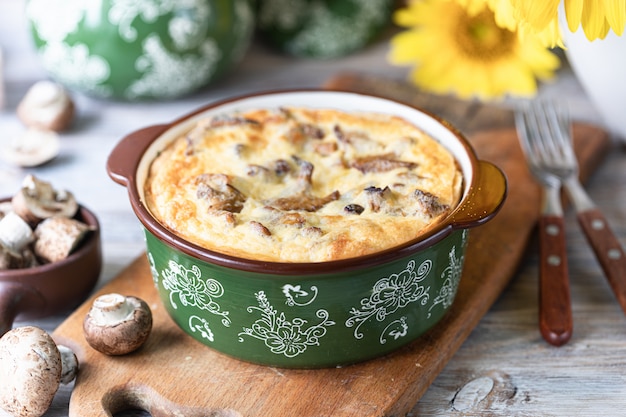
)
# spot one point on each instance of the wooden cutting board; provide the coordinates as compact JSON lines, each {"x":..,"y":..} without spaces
{"x":173,"y":373}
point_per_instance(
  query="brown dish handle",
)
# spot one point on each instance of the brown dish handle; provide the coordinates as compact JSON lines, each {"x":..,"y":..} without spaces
{"x":15,"y":298}
{"x":485,"y":198}
{"x":125,"y":157}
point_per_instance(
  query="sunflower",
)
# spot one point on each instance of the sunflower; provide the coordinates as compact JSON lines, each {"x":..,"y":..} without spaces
{"x":596,"y":17}
{"x":456,"y":46}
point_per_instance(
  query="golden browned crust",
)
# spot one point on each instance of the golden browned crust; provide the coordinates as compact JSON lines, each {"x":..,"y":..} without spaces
{"x":302,"y":185}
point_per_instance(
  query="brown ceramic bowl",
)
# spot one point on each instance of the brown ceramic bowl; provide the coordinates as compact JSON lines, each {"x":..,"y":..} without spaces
{"x":306,"y":315}
{"x":57,"y":287}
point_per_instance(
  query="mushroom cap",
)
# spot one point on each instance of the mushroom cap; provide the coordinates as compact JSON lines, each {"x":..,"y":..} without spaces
{"x":46,"y":105}
{"x":38,"y":200}
{"x":30,"y":371}
{"x":118,"y":336}
{"x":32,"y":148}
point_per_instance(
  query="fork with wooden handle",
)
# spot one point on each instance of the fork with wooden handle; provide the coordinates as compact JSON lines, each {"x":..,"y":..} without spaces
{"x":555,"y":313}
{"x":556,"y":129}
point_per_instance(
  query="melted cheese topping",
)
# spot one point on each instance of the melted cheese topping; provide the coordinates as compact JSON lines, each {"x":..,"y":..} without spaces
{"x":302,"y":185}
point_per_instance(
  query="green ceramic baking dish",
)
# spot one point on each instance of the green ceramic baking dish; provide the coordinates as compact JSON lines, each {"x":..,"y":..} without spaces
{"x":310,"y":315}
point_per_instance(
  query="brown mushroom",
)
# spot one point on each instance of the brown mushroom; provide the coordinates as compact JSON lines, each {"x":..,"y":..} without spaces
{"x":299,"y":197}
{"x":117,"y":325}
{"x":377,"y":197}
{"x":429,"y":204}
{"x":219,"y":193}
{"x":9,"y":259}
{"x":32,"y":148}
{"x":303,"y":202}
{"x":38,"y":200}
{"x":46,"y":105}
{"x":57,"y":237}
{"x":260,"y":229}
{"x":380,"y":163}
{"x":32,"y":367}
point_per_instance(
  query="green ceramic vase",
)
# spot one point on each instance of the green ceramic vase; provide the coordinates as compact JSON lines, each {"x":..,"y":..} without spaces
{"x":139,"y":49}
{"x":322,"y":28}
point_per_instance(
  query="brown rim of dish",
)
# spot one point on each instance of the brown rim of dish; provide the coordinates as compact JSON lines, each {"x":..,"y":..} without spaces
{"x":145,"y":137}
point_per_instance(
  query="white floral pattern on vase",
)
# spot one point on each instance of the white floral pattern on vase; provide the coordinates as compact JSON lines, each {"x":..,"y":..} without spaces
{"x":451,"y":276}
{"x":396,"y":329}
{"x":295,"y":293}
{"x":163,"y":70}
{"x":157,"y":48}
{"x":312,"y":28}
{"x":201,"y":326}
{"x":193,"y":290}
{"x":55,"y":19}
{"x":289,"y":337}
{"x":390,"y":294}
{"x":397,"y":307}
{"x":395,"y":292}
{"x":75,"y":67}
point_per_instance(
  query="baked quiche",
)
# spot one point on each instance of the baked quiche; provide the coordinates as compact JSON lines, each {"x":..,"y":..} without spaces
{"x":300,"y":184}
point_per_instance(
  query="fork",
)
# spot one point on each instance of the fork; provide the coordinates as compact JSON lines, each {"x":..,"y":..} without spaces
{"x":555,"y":313}
{"x":551,"y":129}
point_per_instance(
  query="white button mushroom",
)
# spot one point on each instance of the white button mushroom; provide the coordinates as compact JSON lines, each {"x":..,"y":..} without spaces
{"x":31,"y":368}
{"x":117,"y":325}
{"x":46,"y":105}
{"x":15,"y":233}
{"x":15,"y":236}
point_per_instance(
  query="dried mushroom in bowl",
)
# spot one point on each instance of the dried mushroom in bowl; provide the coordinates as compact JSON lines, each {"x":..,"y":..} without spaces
{"x":38,"y":225}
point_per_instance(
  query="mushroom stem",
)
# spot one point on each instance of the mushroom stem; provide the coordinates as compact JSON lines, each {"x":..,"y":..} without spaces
{"x":112,"y":308}
{"x":69,"y":364}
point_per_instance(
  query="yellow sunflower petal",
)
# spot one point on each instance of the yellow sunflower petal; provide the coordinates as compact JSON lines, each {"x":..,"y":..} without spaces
{"x":458,"y":48}
{"x":506,"y":78}
{"x":542,"y":62}
{"x":596,"y":30}
{"x":538,"y":14}
{"x":410,"y":16}
{"x":550,"y":36}
{"x":504,"y":14}
{"x":405,"y":47}
{"x":479,"y":84}
{"x":573,"y":13}
{"x":593,"y":19}
{"x":616,"y":15}
{"x":473,"y":7}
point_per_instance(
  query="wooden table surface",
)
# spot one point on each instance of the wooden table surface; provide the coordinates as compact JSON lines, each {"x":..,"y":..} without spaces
{"x":503,"y":369}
